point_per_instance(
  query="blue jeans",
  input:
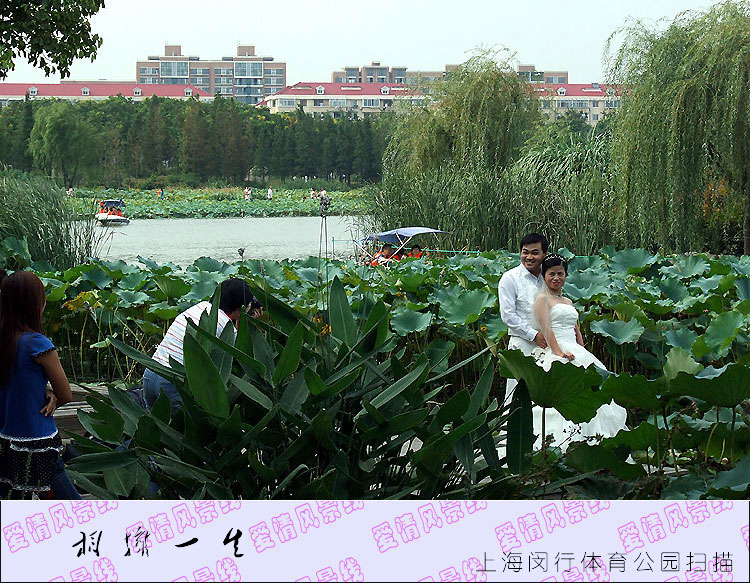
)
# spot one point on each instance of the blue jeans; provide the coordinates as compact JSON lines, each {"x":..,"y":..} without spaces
{"x":62,"y":487}
{"x":154,"y":385}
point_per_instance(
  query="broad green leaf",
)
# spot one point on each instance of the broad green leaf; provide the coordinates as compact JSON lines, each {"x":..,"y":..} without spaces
{"x":681,"y":338}
{"x":342,"y":321}
{"x":735,"y":483}
{"x":460,"y":307}
{"x":520,"y":441}
{"x":251,"y":391}
{"x":289,"y":359}
{"x":686,"y":266}
{"x":454,"y":408}
{"x":403,"y":384}
{"x":408,"y":321}
{"x":565,"y":387}
{"x":722,"y":330}
{"x":204,"y":380}
{"x":620,"y":332}
{"x":679,"y":360}
{"x":632,"y":260}
{"x":120,"y":481}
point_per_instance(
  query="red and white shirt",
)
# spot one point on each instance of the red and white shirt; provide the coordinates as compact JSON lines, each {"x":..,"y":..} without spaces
{"x":172,"y":343}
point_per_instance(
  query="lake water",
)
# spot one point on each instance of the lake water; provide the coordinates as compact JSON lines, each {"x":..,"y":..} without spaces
{"x":182,"y":241}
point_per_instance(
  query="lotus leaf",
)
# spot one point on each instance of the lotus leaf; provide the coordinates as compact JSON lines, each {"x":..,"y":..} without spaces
{"x":673,"y":288}
{"x":566,"y":387}
{"x":686,"y":266}
{"x":681,"y":338}
{"x":735,"y":483}
{"x":632,"y":260}
{"x":722,"y":330}
{"x":409,"y":321}
{"x":98,"y":277}
{"x":679,"y":360}
{"x":461,"y":307}
{"x":130,"y":298}
{"x":743,"y":287}
{"x":620,"y":332}
{"x":727,"y":386}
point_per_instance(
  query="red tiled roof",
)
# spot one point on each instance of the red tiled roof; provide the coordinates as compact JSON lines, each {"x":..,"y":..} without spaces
{"x":573,"y":89}
{"x":344,"y":89}
{"x":98,"y":89}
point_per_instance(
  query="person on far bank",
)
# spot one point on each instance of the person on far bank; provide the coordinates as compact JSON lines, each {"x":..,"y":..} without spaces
{"x":235,"y":294}
{"x":517,"y":292}
{"x":30,"y":445}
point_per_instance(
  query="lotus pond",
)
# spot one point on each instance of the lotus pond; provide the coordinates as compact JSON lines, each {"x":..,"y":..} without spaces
{"x":221,"y":202}
{"x":375,"y":383}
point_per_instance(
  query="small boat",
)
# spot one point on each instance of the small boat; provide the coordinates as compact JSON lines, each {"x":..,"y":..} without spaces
{"x":112,"y":213}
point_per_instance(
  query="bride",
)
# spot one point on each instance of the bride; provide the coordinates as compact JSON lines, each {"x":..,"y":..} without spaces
{"x":557,"y":319}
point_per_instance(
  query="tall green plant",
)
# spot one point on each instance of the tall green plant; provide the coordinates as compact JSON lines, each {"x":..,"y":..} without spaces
{"x":289,"y":410}
{"x":33,"y":209}
{"x":684,"y":122}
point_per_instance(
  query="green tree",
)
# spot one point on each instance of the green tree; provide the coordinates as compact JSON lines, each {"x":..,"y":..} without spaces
{"x":684,"y":123}
{"x":48,"y":34}
{"x":153,"y":136}
{"x":194,"y":142}
{"x":61,"y":141}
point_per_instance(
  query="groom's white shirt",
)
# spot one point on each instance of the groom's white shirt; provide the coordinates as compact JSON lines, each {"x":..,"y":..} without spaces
{"x":517,"y":291}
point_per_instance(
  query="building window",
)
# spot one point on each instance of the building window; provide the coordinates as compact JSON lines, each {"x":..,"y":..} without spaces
{"x":248,"y":69}
{"x":384,"y":90}
{"x":188,"y":92}
{"x":351,"y":79}
{"x":144,"y":70}
{"x":546,"y":104}
{"x":371,"y":103}
{"x":137,"y":92}
{"x":612,"y":104}
{"x":595,"y":103}
{"x":320,"y":90}
{"x":287,"y":103}
{"x":561,"y":91}
{"x":595,"y":117}
{"x":174,"y":68}
{"x":319,"y":102}
{"x":85,"y":91}
{"x":399,"y":79}
{"x":337,"y":102}
{"x":175,"y":81}
{"x":369,"y":78}
{"x":33,"y":91}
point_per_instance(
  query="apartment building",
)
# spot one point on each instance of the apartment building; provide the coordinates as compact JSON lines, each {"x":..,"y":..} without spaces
{"x":336,"y":99}
{"x":247,"y":77}
{"x":95,"y":91}
{"x":531,"y":75}
{"x":592,"y":101}
{"x":375,"y":72}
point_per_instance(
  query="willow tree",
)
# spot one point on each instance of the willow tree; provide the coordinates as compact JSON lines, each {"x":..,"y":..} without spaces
{"x":443,"y":162}
{"x":684,"y":123}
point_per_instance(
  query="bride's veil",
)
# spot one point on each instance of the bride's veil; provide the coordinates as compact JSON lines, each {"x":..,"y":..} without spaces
{"x":544,"y":291}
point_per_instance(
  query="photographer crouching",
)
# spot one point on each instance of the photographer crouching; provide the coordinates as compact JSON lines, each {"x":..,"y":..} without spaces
{"x":235,"y":295}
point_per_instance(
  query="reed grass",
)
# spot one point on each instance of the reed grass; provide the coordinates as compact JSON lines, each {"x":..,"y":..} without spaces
{"x":33,"y":207}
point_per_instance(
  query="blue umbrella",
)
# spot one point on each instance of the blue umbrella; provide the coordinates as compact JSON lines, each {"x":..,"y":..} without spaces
{"x":400,"y":235}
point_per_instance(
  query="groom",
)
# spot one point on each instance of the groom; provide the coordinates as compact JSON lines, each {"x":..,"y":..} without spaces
{"x":517,"y":292}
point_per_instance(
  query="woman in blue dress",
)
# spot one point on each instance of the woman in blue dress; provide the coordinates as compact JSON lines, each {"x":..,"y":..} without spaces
{"x":30,"y":444}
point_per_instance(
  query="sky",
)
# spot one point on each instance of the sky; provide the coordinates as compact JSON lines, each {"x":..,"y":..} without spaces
{"x":315,"y":37}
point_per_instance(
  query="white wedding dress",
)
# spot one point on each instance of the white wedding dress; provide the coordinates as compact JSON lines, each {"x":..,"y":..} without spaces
{"x":609,"y":418}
